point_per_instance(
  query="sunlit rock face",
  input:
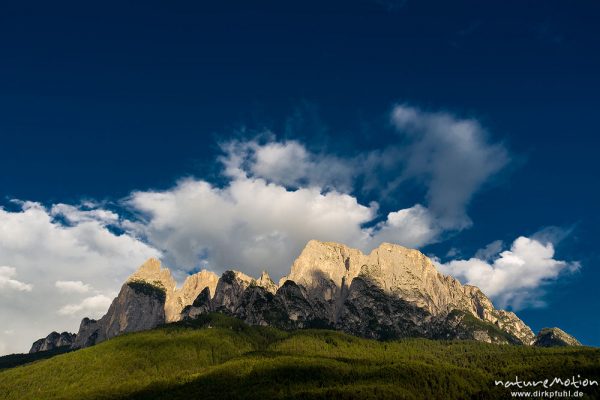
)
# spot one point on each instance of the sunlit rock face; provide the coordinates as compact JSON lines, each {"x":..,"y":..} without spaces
{"x":175,"y":298}
{"x":229,"y":290}
{"x":267,"y":283}
{"x":139,"y":306}
{"x":148,"y":298}
{"x":191,"y":289}
{"x":201,"y":305}
{"x":393,"y":292}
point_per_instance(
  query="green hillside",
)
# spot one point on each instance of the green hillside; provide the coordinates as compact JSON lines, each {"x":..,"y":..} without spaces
{"x":218,"y":358}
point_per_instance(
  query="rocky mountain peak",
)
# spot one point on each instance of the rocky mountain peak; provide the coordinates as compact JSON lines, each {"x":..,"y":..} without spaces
{"x":505,"y":320}
{"x":189,"y":291}
{"x":329,"y":271}
{"x":549,"y":337}
{"x":53,"y":341}
{"x":338,"y":262}
{"x":325,"y":268}
{"x":176,"y":298}
{"x":152,"y":272}
{"x":197,"y":282}
{"x":148,"y":298}
{"x":267,"y":283}
{"x":230,"y":287}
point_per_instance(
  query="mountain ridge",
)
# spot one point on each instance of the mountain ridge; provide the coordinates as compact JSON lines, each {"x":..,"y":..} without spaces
{"x":392,"y":292}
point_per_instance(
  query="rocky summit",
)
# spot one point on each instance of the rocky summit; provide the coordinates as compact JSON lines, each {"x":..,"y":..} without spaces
{"x":53,"y":341}
{"x":148,"y":298}
{"x":551,"y":337}
{"x":393,"y":292}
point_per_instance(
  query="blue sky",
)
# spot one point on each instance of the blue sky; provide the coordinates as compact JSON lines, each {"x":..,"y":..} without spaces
{"x":131,"y":130}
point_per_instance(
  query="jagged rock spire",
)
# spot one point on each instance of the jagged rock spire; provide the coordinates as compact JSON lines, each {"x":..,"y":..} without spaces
{"x":266,"y":282}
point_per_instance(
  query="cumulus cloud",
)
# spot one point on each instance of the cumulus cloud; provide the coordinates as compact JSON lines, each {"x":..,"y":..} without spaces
{"x":512,"y":278}
{"x":44,"y":249}
{"x":248,"y":224}
{"x":451,"y":156}
{"x":288,"y":163}
{"x":94,"y":306}
{"x":411,"y":227}
{"x":7,"y":282}
{"x":72,"y":286}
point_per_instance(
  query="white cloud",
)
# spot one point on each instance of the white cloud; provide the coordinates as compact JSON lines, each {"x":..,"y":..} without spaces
{"x":248,"y":224}
{"x":94,"y":306}
{"x":451,"y":156}
{"x":75,"y":214}
{"x":72,"y":286}
{"x":411,"y":227}
{"x":288,"y":163}
{"x":43,"y":251}
{"x":514,"y":277}
{"x":7,"y":283}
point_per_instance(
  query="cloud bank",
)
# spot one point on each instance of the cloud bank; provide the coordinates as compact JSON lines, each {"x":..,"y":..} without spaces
{"x":57,"y":272}
{"x":513,"y":278}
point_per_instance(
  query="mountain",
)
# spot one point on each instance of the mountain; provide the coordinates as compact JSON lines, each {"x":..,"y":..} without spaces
{"x":53,"y":341}
{"x":552,"y":337}
{"x":147,"y":299}
{"x":393,"y":292}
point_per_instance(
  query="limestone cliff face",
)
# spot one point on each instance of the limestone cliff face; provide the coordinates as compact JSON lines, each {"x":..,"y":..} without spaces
{"x":505,"y":320}
{"x":192,"y":287}
{"x":392,"y":292}
{"x":229,"y":290}
{"x":399,"y":287}
{"x":53,"y":341}
{"x":326,"y":270}
{"x":176,"y":298}
{"x":139,"y":306}
{"x":148,"y":298}
{"x":201,"y":305}
{"x":151,"y":273}
{"x":87,"y":334}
